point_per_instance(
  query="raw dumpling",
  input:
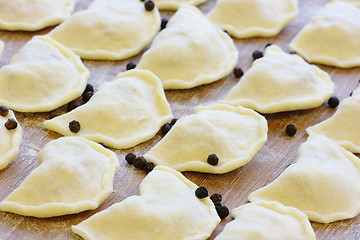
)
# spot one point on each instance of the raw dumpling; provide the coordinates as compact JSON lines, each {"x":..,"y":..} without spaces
{"x":10,"y":141}
{"x":281,"y":82}
{"x":74,"y":175}
{"x":122,"y":113}
{"x":167,"y":208}
{"x":109,"y":29}
{"x":33,"y":15}
{"x":324,"y":182}
{"x":234,"y":134}
{"x":253,"y":18}
{"x":175,"y":4}
{"x":42,"y":76}
{"x":331,"y":38}
{"x":344,"y":126}
{"x":190,"y":51}
{"x":267,"y":221}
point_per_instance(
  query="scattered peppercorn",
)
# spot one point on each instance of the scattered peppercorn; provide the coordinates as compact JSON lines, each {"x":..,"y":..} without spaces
{"x":149,"y":166}
{"x":72,"y":105}
{"x":130,"y":157}
{"x":166,"y":128}
{"x":216,"y":198}
{"x":213,"y":159}
{"x":238,"y":72}
{"x":130,"y":65}
{"x":333,"y":102}
{"x":172,"y":122}
{"x":11,"y":124}
{"x":86,"y":96}
{"x":89,"y":88}
{"x":222,"y":211}
{"x":74,"y":126}
{"x":217,"y":204}
{"x":102,"y":144}
{"x":290,"y":130}
{"x":257,"y":54}
{"x":201,"y":192}
{"x":351,"y":94}
{"x":149,"y":5}
{"x":140,"y":163}
{"x":4,"y":111}
{"x":164,"y":22}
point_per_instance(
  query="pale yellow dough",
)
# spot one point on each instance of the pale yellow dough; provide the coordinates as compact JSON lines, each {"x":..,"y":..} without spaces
{"x":175,"y":4}
{"x":234,"y":134}
{"x":343,"y":127}
{"x":267,"y":221}
{"x":324,"y":182}
{"x":331,"y":38}
{"x":42,"y":76}
{"x":354,"y":2}
{"x":167,"y":208}
{"x":10,"y":141}
{"x":253,"y":18}
{"x":33,"y":15}
{"x":190,"y":51}
{"x":281,"y":82}
{"x":109,"y":29}
{"x":74,"y":175}
{"x":122,"y":113}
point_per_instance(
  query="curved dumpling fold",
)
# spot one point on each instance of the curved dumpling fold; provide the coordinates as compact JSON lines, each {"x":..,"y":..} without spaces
{"x":267,"y":221}
{"x":255,"y":18}
{"x":190,"y":51}
{"x":343,"y":127}
{"x":167,"y":200}
{"x":324,"y":182}
{"x":319,"y":40}
{"x":33,"y":15}
{"x":74,"y":175}
{"x":122,"y":113}
{"x":281,"y":82}
{"x":10,"y":141}
{"x":110,"y":30}
{"x":42,"y":76}
{"x":175,"y":4}
{"x":234,"y":134}
{"x":354,"y":2}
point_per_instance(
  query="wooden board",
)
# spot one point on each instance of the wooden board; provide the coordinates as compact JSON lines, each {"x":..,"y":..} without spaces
{"x":278,"y":152}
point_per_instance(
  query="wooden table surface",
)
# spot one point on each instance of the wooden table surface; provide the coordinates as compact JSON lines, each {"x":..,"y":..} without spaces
{"x":278,"y":152}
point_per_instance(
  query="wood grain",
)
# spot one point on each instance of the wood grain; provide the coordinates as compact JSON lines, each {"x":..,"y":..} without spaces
{"x":278,"y":152}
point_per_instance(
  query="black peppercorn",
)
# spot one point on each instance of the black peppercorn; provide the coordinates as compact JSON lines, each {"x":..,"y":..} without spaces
{"x":149,"y":166}
{"x":216,"y":197}
{"x":222,"y":211}
{"x":89,"y":88}
{"x":140,"y":163}
{"x":213,"y":159}
{"x":130,"y":157}
{"x":268,"y":45}
{"x":102,"y":144}
{"x":74,"y":126}
{"x":257,"y":54}
{"x":164,"y":22}
{"x":201,"y":192}
{"x":130,"y":65}
{"x":149,"y":5}
{"x":172,"y":122}
{"x":333,"y":102}
{"x":11,"y":124}
{"x":4,"y":111}
{"x":238,"y":72}
{"x":166,"y":128}
{"x":86,"y":96}
{"x":72,"y":105}
{"x":290,"y":130}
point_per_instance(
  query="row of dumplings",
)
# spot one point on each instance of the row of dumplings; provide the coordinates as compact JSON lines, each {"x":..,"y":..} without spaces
{"x":215,"y":119}
{"x":117,"y":30}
